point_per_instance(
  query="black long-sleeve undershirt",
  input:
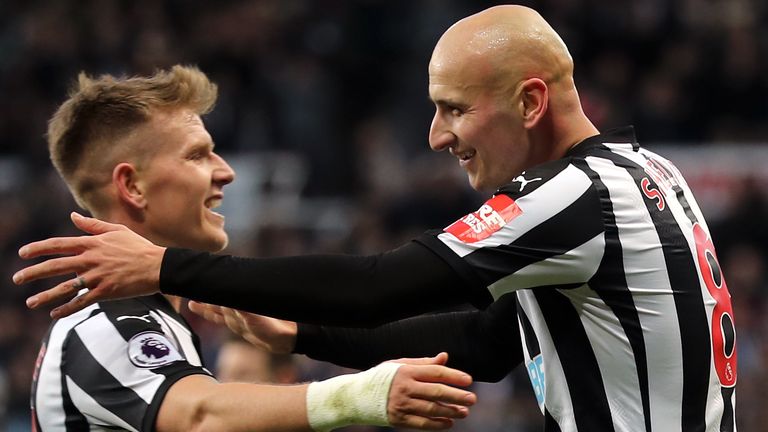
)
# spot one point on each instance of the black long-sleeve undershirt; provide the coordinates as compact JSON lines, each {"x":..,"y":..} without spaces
{"x":485,"y":344}
{"x":341,"y":290}
{"x":360,"y":291}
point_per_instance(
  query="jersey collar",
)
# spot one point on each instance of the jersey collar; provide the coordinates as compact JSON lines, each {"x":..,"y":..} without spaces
{"x":625,"y":134}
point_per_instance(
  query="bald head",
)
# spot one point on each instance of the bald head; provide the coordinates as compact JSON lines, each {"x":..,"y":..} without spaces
{"x":505,"y":44}
{"x":505,"y":101}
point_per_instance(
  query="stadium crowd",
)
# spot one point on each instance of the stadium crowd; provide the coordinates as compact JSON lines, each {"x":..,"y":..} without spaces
{"x":324,"y":114}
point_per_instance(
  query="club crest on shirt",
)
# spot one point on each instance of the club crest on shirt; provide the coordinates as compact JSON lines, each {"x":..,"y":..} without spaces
{"x":481,"y":224}
{"x":151,"y":350}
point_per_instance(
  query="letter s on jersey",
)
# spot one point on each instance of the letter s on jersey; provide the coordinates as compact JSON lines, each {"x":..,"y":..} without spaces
{"x":652,"y":193}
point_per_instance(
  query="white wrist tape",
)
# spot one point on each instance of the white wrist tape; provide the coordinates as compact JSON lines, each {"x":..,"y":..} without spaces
{"x":344,"y":400}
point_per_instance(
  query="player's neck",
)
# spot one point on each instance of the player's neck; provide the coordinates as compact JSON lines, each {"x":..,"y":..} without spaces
{"x":569,"y":125}
{"x":135,"y":225}
{"x":120,"y":218}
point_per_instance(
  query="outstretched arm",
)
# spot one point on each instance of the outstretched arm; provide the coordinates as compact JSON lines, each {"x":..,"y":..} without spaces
{"x":416,"y":394}
{"x":325,"y":289}
{"x":485,"y":343}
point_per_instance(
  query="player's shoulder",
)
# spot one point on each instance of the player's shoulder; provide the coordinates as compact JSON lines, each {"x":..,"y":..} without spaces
{"x":118,"y":322}
{"x":573,"y":172}
{"x":132,"y":326}
{"x":127,"y":316}
{"x":549,"y":177}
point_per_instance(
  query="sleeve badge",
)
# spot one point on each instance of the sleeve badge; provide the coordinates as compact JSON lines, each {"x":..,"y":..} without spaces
{"x":149,"y":350}
{"x":481,"y":224}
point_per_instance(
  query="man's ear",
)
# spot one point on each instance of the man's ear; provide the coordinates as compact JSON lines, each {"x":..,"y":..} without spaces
{"x":130,"y":192}
{"x":535,"y":100}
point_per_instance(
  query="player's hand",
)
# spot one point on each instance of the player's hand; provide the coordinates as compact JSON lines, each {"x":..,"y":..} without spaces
{"x":272,"y":334}
{"x":423,"y":395}
{"x":112,"y":263}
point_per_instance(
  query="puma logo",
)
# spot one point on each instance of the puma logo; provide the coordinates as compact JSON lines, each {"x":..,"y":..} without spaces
{"x":145,"y":318}
{"x":523,"y":181}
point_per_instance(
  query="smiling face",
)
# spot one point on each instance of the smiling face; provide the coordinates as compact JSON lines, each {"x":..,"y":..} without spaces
{"x":181,"y":181}
{"x":502,"y":85}
{"x":476,"y":120}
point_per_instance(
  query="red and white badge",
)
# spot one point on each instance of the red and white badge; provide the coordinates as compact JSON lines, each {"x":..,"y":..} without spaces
{"x":491,"y":217}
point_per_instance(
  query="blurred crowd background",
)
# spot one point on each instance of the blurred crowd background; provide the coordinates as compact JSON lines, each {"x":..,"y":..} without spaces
{"x":323,"y":112}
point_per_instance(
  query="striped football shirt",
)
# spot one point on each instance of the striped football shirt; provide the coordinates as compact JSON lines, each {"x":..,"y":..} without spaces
{"x":624,"y":313}
{"x":109,"y":366}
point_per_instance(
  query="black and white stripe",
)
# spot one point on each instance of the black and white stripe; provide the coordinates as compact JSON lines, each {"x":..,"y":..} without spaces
{"x":613,"y":313}
{"x":86,"y":379}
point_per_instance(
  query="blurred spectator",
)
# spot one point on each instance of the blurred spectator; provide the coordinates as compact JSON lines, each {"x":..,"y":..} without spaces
{"x":239,"y":361}
{"x":746,"y":222}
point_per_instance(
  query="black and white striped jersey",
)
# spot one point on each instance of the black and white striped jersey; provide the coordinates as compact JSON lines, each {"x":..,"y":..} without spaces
{"x":624,"y":313}
{"x":109,"y":366}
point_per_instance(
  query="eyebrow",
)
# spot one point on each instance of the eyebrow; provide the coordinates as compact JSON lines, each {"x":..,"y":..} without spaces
{"x":448,"y":102}
{"x":197,"y":145}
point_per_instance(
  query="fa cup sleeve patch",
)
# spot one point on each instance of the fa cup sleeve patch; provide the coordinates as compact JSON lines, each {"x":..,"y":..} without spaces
{"x":149,"y":350}
{"x":481,"y":224}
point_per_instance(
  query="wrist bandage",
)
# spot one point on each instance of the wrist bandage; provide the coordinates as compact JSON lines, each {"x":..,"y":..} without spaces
{"x":344,"y":400}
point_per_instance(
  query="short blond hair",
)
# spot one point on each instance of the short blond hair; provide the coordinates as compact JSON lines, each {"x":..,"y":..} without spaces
{"x":85,"y":133}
